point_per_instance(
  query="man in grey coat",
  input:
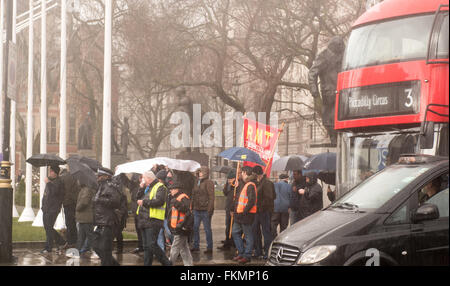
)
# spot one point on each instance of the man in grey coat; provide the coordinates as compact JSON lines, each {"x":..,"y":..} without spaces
{"x":85,"y":218}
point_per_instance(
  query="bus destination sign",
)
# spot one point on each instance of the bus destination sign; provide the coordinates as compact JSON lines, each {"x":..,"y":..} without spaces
{"x":379,"y":100}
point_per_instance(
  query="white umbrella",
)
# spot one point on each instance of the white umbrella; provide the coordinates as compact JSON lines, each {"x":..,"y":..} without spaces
{"x":180,"y":165}
{"x":141,"y":166}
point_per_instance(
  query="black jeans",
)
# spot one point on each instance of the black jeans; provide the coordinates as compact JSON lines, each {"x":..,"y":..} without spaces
{"x":119,"y":237}
{"x":51,"y":234}
{"x":71,"y":224}
{"x":150,"y":239}
{"x":228,"y":237}
{"x":139,"y":233}
{"x":103,"y":242}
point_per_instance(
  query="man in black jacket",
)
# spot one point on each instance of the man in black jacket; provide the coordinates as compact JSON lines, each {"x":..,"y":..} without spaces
{"x":298,"y":183}
{"x":121,"y":212}
{"x":106,"y":200}
{"x":265,"y":205}
{"x":51,"y":205}
{"x":311,"y":199}
{"x":151,"y":211}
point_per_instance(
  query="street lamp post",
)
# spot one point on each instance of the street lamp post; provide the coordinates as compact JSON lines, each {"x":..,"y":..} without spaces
{"x":6,"y":194}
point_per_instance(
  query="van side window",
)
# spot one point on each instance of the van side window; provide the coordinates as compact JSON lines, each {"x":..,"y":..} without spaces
{"x":441,"y":201}
{"x":399,"y":216}
{"x":433,"y":188}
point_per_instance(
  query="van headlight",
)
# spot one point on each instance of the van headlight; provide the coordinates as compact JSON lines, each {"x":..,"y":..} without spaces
{"x":316,"y":254}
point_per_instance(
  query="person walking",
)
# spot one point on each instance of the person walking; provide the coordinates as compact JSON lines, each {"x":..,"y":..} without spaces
{"x":180,"y":224}
{"x":71,"y":191}
{"x":165,"y":235}
{"x":261,"y":224}
{"x":228,"y":191}
{"x":85,"y":218}
{"x":311,"y":199}
{"x":280,"y":216}
{"x":51,"y":205}
{"x":151,"y":211}
{"x":244,"y":212}
{"x":133,"y":185}
{"x":203,"y":209}
{"x":106,"y":201}
{"x":121,"y":212}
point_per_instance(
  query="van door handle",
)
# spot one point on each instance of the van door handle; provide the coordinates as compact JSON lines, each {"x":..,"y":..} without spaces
{"x":417,"y":228}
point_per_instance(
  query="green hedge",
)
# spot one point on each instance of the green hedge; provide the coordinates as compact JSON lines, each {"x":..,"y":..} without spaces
{"x":20,"y":196}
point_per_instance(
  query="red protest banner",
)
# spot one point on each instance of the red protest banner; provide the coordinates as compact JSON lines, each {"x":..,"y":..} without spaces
{"x":262,"y":139}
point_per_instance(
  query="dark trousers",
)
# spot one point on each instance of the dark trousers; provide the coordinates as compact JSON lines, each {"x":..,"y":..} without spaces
{"x":228,"y":237}
{"x":119,"y":237}
{"x":71,"y":224}
{"x":261,"y":225}
{"x":279,"y":219}
{"x":150,"y":240}
{"x":52,"y":236}
{"x":103,"y":243}
{"x":85,"y":236}
{"x":139,"y":233}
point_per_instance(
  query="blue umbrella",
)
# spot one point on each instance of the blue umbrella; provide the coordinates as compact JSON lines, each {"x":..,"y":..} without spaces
{"x":322,"y":162}
{"x":242,"y":154}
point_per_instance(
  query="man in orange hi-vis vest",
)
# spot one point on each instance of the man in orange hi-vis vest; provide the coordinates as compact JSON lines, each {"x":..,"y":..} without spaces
{"x":244,"y":215}
{"x":180,"y":224}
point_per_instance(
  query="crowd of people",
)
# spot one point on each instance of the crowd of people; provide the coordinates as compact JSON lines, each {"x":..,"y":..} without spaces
{"x":168,"y":209}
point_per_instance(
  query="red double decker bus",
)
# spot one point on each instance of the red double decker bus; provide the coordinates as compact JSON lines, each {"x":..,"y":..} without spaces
{"x":393,"y":92}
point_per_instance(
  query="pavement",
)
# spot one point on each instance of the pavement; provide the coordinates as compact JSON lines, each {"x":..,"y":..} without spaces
{"x":28,"y":253}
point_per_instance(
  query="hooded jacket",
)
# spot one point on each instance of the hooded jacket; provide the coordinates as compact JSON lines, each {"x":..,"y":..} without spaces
{"x":312,"y":200}
{"x":85,"y":207}
{"x":203,"y":194}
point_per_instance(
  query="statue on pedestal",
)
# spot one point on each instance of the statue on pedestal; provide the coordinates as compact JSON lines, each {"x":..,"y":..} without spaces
{"x":326,"y":67}
{"x":85,"y":134}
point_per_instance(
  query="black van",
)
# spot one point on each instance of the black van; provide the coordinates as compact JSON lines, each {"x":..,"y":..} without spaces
{"x":388,"y":219}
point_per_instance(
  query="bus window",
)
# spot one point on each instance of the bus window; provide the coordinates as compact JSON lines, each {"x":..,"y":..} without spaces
{"x":442,"y":46}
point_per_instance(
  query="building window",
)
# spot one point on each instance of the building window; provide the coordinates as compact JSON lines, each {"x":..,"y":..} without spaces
{"x":52,"y":130}
{"x":72,"y":127}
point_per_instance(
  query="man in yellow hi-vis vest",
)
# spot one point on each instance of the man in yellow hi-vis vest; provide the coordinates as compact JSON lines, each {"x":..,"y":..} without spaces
{"x":151,"y":212}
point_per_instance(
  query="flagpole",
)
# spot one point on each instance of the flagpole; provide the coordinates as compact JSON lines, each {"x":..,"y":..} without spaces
{"x":38,"y":221}
{"x":2,"y":8}
{"x":12,"y":136}
{"x":237,"y":176}
{"x":106,"y":138}
{"x":28,"y":213}
{"x":273,"y":149}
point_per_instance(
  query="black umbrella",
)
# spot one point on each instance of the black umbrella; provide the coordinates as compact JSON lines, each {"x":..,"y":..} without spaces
{"x":41,"y":160}
{"x":288,"y":163}
{"x":83,"y":173}
{"x":327,"y":177}
{"x":92,"y":163}
{"x":222,"y":169}
{"x":323,"y":162}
